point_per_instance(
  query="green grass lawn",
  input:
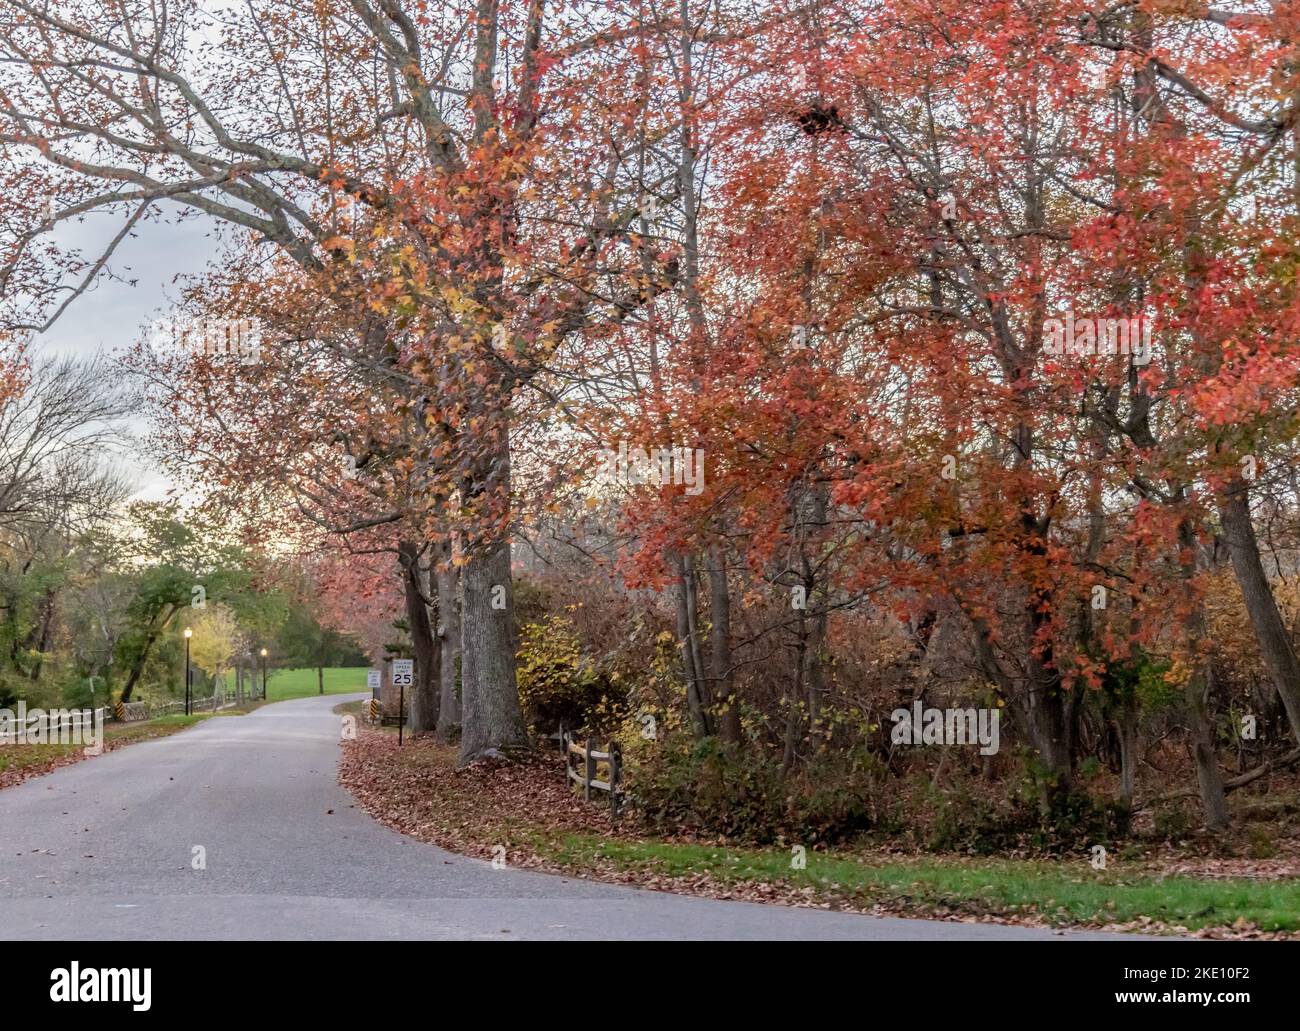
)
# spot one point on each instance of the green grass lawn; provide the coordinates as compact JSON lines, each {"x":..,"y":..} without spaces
{"x":1059,"y":892}
{"x":299,"y":683}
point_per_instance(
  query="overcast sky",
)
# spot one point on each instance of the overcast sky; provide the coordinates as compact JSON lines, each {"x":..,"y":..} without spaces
{"x":110,"y":316}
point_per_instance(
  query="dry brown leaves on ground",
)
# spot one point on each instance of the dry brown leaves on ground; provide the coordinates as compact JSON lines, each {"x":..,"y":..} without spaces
{"x":18,"y":773}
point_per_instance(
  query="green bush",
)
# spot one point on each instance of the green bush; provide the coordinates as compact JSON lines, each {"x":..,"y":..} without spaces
{"x":681,"y":785}
{"x":557,"y":685}
{"x":982,"y":824}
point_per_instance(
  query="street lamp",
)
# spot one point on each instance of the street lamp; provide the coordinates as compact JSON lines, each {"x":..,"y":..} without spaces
{"x":188,"y":678}
{"x":263,"y":674}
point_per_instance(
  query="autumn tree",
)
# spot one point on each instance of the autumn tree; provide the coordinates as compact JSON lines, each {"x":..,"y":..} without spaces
{"x":500,"y":181}
{"x":215,"y":641}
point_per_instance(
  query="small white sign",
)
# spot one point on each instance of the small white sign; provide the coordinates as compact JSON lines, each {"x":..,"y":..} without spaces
{"x":403,"y":672}
{"x":373,"y":679}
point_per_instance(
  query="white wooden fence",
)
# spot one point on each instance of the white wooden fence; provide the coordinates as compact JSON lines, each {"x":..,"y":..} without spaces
{"x":50,"y":725}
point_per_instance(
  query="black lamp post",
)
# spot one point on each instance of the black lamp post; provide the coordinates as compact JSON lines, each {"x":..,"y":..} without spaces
{"x":188,"y":677}
{"x":264,"y":674}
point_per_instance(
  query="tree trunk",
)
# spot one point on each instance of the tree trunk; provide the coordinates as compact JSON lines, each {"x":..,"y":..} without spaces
{"x":1034,"y":698}
{"x":424,"y":694}
{"x":448,"y":580}
{"x":1275,"y":644}
{"x":1214,"y":802}
{"x":493,"y":719}
{"x":720,"y":618}
{"x":1045,"y":702}
{"x":794,"y":713}
{"x":814,"y":678}
{"x":320,"y":678}
{"x":686,"y":633}
{"x":138,"y":667}
{"x":812,"y":653}
{"x":1048,"y":725}
{"x":42,"y":639}
{"x":702,"y":687}
{"x":1126,"y":725}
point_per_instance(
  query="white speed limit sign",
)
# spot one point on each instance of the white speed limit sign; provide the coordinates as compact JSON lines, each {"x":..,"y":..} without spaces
{"x":403,"y":672}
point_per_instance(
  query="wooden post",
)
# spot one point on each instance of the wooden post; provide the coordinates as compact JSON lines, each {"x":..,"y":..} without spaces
{"x":590,"y":770}
{"x":613,"y":779}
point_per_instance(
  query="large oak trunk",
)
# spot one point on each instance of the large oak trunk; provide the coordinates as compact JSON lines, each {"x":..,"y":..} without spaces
{"x":493,"y":721}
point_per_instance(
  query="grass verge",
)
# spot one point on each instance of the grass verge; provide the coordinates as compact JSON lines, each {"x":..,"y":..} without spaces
{"x":1057,"y":893}
{"x":526,"y":809}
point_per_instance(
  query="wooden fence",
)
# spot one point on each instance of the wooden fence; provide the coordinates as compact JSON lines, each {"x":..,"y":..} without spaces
{"x":589,"y":759}
{"x":50,"y":725}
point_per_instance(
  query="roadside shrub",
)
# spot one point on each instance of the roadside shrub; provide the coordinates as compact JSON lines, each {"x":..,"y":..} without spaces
{"x":708,"y":788}
{"x":986,"y":826}
{"x":1261,"y":844}
{"x":1173,"y":821}
{"x":557,"y":685}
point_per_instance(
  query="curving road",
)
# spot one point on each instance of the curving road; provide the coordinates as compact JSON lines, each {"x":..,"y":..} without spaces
{"x":105,"y":849}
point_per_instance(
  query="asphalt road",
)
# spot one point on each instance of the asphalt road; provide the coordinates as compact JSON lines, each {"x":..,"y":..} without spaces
{"x":105,"y":849}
